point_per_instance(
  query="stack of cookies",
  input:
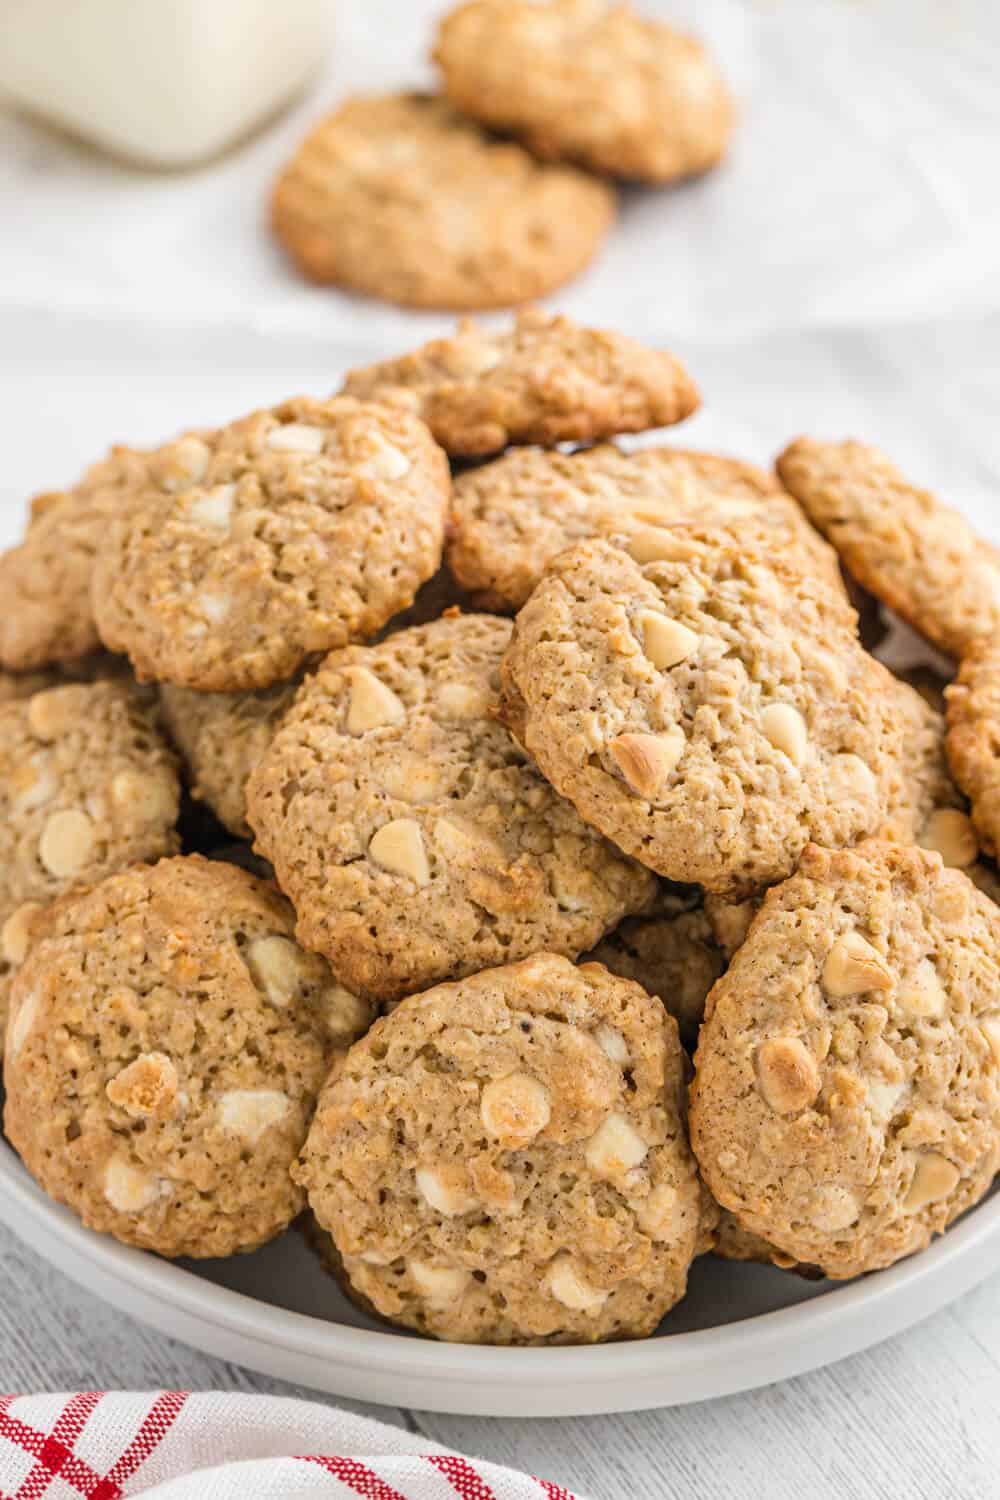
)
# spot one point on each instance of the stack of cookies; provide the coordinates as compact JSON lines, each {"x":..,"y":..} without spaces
{"x":575,"y":894}
{"x":501,"y":187}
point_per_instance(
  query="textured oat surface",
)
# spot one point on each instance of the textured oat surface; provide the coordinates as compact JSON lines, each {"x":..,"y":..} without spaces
{"x":917,"y":555}
{"x":512,"y":516}
{"x":400,"y":197}
{"x":414,"y":837}
{"x":973,"y":741}
{"x":846,"y":1102}
{"x":503,"y":1160}
{"x":544,"y":380}
{"x":296,"y":529}
{"x":222,"y":738}
{"x":166,"y":1046}
{"x":588,"y":81}
{"x":708,"y":710}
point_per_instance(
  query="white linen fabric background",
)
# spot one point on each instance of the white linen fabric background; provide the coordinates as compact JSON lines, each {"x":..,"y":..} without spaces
{"x":839,"y":276}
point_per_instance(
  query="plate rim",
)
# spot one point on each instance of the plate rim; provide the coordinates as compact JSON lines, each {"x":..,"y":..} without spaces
{"x":236,"y":1313}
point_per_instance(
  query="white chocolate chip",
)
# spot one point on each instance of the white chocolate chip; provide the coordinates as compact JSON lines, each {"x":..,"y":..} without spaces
{"x":612,"y":1044}
{"x":150,"y":798}
{"x":31,"y":785}
{"x":666,"y":642}
{"x":832,"y":1208}
{"x":15,"y":935}
{"x":399,"y":848}
{"x":439,"y":1285}
{"x":460,"y":700}
{"x":853,"y":966}
{"x":53,"y":712}
{"x":248,"y":1113}
{"x":568,"y":1286}
{"x":848,"y":779}
{"x":385,"y":461}
{"x":278,"y":968}
{"x":188,"y":460}
{"x":785,"y":727}
{"x":372,"y":704}
{"x":347,"y":1016}
{"x":884,"y":1098}
{"x":213,"y":507}
{"x":67,"y":842}
{"x":990,"y":1027}
{"x":647,"y":760}
{"x":296,"y":437}
{"x":21,"y":1023}
{"x":922,"y":993}
{"x":615,"y":1147}
{"x":935,"y":1178}
{"x":514,"y":1109}
{"x":470,"y":357}
{"x":787,"y":1074}
{"x":214,"y":607}
{"x":411,"y":779}
{"x":648,"y":544}
{"x":950,"y":833}
{"x":129,"y":1189}
{"x":443,"y":1188}
{"x":661,"y":1214}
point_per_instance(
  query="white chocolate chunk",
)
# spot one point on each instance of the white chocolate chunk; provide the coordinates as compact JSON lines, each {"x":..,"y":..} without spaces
{"x":853,"y":966}
{"x":647,"y":760}
{"x":921,"y":993}
{"x":666,"y":642}
{"x":248,"y":1113}
{"x":460,"y":700}
{"x":399,"y":848}
{"x":372,"y":704}
{"x":950,"y":833}
{"x":884,"y":1097}
{"x":568,"y":1286}
{"x":296,"y":437}
{"x":187,"y":460}
{"x":21,"y":1023}
{"x":52,"y":713}
{"x":66,"y":843}
{"x":661,"y":1214}
{"x":213,"y":507}
{"x":785,"y":727}
{"x":146,"y":796}
{"x":347,"y":1016}
{"x":514,"y":1109}
{"x":278,"y":968}
{"x":787,"y":1074}
{"x":385,"y":461}
{"x":615,"y":1147}
{"x":215,"y":607}
{"x":464,"y":842}
{"x":990,"y":1027}
{"x":935,"y":1178}
{"x":15,"y":935}
{"x":440,"y":1285}
{"x":443,"y":1188}
{"x":832,"y":1208}
{"x":411,"y":779}
{"x":612,"y":1044}
{"x":31,"y":785}
{"x":129,"y":1189}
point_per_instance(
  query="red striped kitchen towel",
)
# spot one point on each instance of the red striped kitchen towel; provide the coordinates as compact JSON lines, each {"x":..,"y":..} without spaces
{"x":178,"y":1445}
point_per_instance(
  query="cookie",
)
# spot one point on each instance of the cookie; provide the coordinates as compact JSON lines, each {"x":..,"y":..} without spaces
{"x":401,"y":197}
{"x":510,"y":518}
{"x":87,"y":786}
{"x":303,"y":527}
{"x":918,"y":556}
{"x":973,"y":741}
{"x":414,"y":838}
{"x":167,"y":1044}
{"x":846,"y":1101}
{"x":222,"y":738}
{"x":925,"y":805}
{"x":709,"y":711}
{"x":733,"y":1242}
{"x":673,"y":955}
{"x":591,"y":82}
{"x":45,"y":582}
{"x":503,"y":1160}
{"x":545,"y":380}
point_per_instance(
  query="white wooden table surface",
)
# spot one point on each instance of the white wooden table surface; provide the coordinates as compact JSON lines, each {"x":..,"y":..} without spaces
{"x":839,"y":277}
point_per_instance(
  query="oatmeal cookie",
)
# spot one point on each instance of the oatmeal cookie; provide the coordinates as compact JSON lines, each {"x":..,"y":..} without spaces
{"x":510,"y":518}
{"x":973,"y":741}
{"x":166,"y":1047}
{"x":591,"y":82}
{"x":401,"y":197}
{"x":222,"y":738}
{"x":414,"y":838}
{"x":707,"y":710}
{"x":918,"y":556}
{"x":544,"y":380}
{"x":503,"y":1160}
{"x":846,"y":1101}
{"x":672,"y":954}
{"x":308,"y":526}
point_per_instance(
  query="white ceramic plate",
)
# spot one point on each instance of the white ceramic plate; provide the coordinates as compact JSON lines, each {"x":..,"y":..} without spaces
{"x":278,"y":1312}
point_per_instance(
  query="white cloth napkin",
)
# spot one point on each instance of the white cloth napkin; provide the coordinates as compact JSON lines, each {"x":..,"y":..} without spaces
{"x":176,"y":1445}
